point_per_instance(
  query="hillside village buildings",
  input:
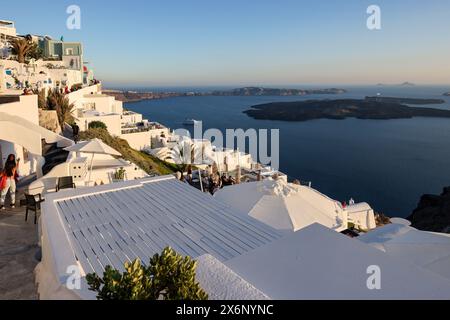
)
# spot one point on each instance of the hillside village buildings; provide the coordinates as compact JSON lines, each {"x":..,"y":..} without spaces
{"x":266,"y":239}
{"x":63,"y":69}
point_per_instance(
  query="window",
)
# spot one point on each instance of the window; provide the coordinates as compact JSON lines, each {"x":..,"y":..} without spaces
{"x":89,"y":106}
{"x":69,"y":51}
{"x":26,"y":155}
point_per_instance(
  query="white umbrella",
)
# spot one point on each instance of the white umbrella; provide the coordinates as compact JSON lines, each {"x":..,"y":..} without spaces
{"x":284,"y":206}
{"x":94,"y":146}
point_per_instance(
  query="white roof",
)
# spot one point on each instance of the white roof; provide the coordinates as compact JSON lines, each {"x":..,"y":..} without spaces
{"x":426,"y":249}
{"x":222,"y":283}
{"x":357,"y":207}
{"x":318,"y":263}
{"x":6,"y":22}
{"x":400,"y":221}
{"x":111,"y":224}
{"x":109,"y":163}
{"x":93,"y":146}
{"x":282,"y":205}
{"x":385,"y":233}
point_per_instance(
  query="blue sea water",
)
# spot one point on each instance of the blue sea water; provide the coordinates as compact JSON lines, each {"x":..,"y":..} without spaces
{"x":387,"y":163}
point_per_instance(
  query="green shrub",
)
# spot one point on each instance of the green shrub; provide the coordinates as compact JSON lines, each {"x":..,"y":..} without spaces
{"x":42,"y":99}
{"x":76,"y":86}
{"x":169,"y":276}
{"x":146,"y":162}
{"x":382,"y":219}
{"x":97,"y":125}
{"x":120,"y":174}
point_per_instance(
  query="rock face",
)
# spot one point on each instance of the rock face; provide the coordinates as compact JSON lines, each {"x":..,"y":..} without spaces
{"x":405,"y":100}
{"x":433,"y":213}
{"x":49,"y":120}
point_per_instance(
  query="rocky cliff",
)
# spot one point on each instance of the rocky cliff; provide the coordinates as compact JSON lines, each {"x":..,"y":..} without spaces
{"x":433,"y":213}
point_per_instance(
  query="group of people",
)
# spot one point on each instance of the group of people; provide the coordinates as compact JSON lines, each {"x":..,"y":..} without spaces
{"x":27,"y":92}
{"x":8,"y":179}
{"x":210,"y":182}
{"x":227,"y":181}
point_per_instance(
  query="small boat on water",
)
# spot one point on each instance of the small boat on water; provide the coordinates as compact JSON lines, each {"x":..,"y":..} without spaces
{"x":191,"y":122}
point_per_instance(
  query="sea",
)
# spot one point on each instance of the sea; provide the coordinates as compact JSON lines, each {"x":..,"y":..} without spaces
{"x":389,"y":164}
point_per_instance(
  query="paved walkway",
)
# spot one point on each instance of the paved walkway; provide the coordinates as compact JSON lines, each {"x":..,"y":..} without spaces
{"x":18,"y":254}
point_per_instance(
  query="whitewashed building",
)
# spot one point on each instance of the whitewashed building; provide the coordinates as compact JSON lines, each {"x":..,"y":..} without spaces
{"x":92,"y":105}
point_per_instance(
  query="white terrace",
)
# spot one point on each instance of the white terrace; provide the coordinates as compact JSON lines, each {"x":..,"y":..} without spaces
{"x":109,"y":225}
{"x":238,"y":256}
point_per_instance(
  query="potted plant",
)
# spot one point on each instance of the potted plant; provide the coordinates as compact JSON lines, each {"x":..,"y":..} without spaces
{"x":119,"y":175}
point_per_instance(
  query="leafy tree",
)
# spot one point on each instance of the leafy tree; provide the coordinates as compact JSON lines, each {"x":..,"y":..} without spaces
{"x":42,"y":101}
{"x":21,"y":47}
{"x":51,"y":99}
{"x":25,"y":49}
{"x":97,"y":125}
{"x":184,"y":153}
{"x":169,"y":276}
{"x":64,"y":110}
{"x":35,"y":52}
{"x":59,"y":102}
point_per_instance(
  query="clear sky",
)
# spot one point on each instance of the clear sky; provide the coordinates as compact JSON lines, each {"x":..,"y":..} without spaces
{"x":244,"y":42}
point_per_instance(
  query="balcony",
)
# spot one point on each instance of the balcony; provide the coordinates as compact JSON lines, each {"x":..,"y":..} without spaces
{"x":141,"y":127}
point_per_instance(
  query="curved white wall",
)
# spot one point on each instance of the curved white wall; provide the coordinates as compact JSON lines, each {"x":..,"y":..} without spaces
{"x":27,"y":138}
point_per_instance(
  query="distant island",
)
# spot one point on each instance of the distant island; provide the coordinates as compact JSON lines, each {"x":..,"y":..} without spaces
{"x":134,"y":96}
{"x":404,"y":84}
{"x":259,"y":91}
{"x":340,"y":109}
{"x":405,"y":100}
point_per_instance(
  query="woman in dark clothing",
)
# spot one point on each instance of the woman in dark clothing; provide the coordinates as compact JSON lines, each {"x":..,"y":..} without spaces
{"x":8,"y":181}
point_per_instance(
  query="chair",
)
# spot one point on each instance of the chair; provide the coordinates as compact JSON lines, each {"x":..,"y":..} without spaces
{"x":33,"y":205}
{"x":65,"y":183}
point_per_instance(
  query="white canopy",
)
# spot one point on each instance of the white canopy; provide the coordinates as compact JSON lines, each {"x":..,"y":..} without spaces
{"x":93,"y":146}
{"x":284,"y":206}
{"x":318,"y":263}
{"x":426,"y":249}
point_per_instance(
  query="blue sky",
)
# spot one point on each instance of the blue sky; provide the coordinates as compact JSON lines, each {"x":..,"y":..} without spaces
{"x":282,"y":42}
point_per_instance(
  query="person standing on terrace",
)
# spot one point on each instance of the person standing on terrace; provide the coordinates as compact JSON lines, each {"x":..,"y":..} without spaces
{"x":8,"y":181}
{"x":75,"y":132}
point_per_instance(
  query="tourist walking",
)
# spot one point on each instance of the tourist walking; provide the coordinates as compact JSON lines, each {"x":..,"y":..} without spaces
{"x":75,"y":132}
{"x":8,"y":179}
